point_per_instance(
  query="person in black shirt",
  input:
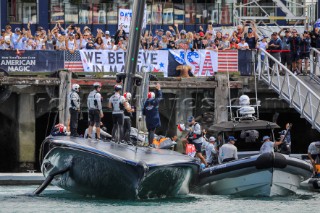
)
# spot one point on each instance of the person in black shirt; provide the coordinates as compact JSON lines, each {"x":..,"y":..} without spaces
{"x":294,"y":42}
{"x":197,"y":42}
{"x":274,"y":47}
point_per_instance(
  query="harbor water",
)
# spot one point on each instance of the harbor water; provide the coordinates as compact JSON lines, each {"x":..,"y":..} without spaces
{"x":53,"y":199}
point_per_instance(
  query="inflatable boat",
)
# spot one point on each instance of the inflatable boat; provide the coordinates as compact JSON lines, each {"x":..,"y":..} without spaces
{"x":269,"y":174}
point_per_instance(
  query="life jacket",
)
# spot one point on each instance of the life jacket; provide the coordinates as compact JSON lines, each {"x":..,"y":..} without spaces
{"x":117,"y":105}
{"x":158,"y":142}
{"x":190,"y":150}
{"x":194,"y":135}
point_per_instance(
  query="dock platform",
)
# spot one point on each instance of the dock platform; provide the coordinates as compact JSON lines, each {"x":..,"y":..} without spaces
{"x":21,"y":178}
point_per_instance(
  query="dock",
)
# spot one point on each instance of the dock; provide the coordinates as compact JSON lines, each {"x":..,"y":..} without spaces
{"x":21,"y":178}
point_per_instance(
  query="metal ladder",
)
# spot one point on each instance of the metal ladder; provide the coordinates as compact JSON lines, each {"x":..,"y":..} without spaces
{"x":291,"y":88}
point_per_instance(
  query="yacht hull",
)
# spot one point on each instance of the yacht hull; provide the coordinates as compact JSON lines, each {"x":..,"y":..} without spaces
{"x":260,"y":175}
{"x":116,"y":171}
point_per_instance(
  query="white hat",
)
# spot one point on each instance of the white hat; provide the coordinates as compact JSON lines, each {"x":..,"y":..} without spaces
{"x":212,"y":139}
{"x":107,"y":32}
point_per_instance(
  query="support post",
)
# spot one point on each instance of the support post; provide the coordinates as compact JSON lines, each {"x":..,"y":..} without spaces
{"x":221,"y":103}
{"x":26,"y":131}
{"x":64,"y":90}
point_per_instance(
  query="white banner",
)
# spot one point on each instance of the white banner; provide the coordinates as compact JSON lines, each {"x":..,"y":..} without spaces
{"x":125,"y":16}
{"x":203,"y":62}
{"x":113,"y":61}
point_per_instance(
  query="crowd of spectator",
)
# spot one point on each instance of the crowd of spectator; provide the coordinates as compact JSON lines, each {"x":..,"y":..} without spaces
{"x":290,"y":47}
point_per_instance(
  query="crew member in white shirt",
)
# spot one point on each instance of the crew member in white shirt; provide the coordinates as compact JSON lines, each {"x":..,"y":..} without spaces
{"x":268,"y":146}
{"x":228,"y":151}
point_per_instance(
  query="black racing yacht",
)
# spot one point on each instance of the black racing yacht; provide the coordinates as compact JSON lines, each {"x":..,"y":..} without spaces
{"x":114,"y":170}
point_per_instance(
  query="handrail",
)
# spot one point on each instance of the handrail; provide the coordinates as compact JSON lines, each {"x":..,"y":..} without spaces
{"x":314,"y":60}
{"x":290,"y":88}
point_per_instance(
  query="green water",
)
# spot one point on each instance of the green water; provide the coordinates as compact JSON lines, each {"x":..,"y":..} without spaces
{"x":53,"y":199}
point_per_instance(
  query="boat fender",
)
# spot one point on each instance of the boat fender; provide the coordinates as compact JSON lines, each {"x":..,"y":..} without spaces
{"x":265,"y":161}
{"x":144,"y":166}
{"x":279,"y":161}
{"x":315,"y":183}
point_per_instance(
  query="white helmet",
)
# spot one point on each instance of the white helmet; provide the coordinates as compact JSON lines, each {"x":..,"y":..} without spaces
{"x":75,"y":87}
{"x":96,"y":84}
{"x":127,"y":96}
{"x":151,"y":95}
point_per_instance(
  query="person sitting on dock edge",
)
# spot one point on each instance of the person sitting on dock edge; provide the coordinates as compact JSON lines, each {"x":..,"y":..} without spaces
{"x":228,"y":152}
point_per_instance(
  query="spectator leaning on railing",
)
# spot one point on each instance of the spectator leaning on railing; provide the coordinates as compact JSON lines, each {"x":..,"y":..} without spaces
{"x":274,"y":47}
{"x":285,"y":54}
{"x":305,"y":46}
{"x":243,"y":45}
{"x":294,"y":42}
{"x":262,"y":44}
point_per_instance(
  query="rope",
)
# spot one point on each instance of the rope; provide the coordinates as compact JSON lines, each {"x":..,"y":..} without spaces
{"x":195,"y":113}
{"x":173,"y":107}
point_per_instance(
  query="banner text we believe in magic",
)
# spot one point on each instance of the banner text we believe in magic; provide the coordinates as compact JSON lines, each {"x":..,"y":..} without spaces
{"x":114,"y":61}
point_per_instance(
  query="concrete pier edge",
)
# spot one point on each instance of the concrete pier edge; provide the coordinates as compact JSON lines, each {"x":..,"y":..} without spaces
{"x":21,"y":178}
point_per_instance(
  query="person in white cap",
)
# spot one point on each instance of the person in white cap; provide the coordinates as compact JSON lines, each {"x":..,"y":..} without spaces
{"x":228,"y":152}
{"x":106,"y":39}
{"x":211,"y":150}
{"x":268,"y":146}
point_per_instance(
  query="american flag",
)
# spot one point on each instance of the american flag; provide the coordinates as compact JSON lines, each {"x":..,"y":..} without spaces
{"x":228,"y":61}
{"x":72,"y":61}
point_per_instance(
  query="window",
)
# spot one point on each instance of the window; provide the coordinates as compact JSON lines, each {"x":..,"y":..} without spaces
{"x":99,"y":14}
{"x":156,"y":13}
{"x":57,"y":12}
{"x":200,"y":13}
{"x":85,"y":14}
{"x":112,"y":13}
{"x":190,"y":13}
{"x":22,"y":11}
{"x":167,"y":16}
{"x":179,"y":13}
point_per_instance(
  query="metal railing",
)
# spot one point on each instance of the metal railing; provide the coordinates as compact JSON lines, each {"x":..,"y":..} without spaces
{"x":290,"y":88}
{"x":315,"y":64}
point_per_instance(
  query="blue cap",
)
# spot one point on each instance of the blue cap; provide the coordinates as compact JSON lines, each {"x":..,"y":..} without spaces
{"x":190,"y":118}
{"x":231,"y":138}
{"x":265,"y":137}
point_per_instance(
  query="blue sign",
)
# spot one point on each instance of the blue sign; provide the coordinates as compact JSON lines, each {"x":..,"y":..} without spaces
{"x":31,"y":60}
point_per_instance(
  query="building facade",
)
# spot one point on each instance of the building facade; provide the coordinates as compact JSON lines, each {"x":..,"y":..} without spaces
{"x":103,"y":14}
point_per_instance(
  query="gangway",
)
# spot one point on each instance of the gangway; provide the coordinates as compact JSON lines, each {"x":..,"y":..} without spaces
{"x":301,"y":92}
{"x":265,"y":13}
{"x":315,"y":65}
